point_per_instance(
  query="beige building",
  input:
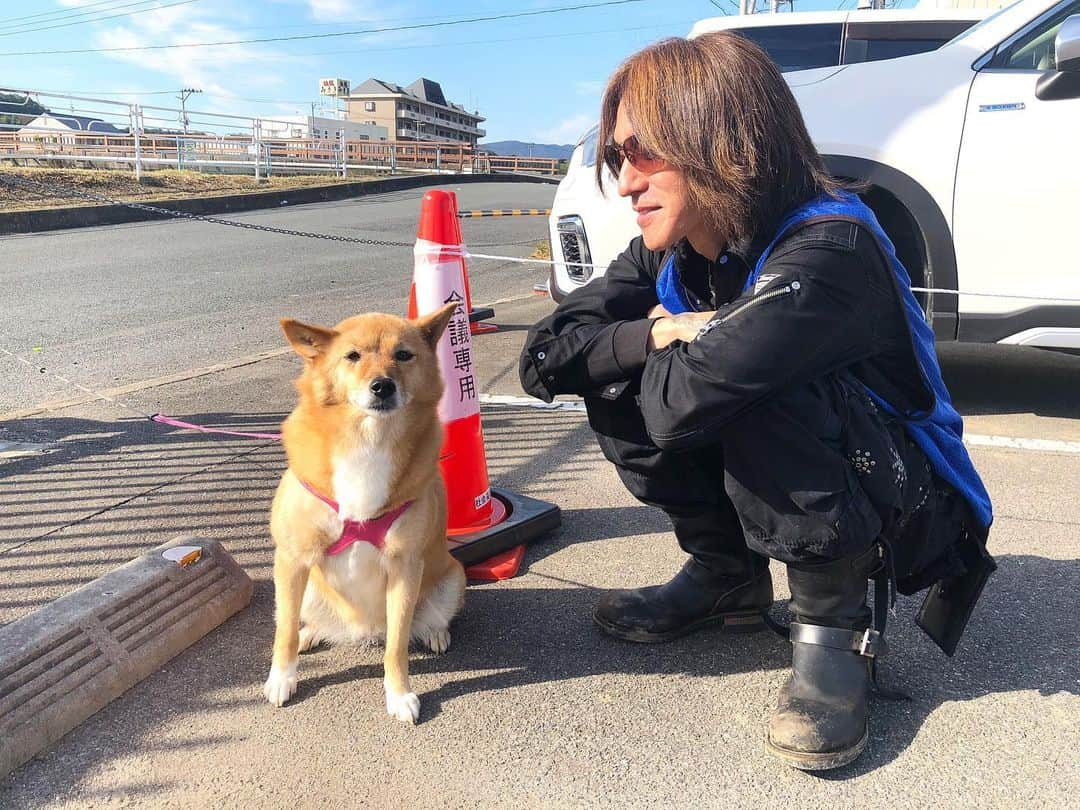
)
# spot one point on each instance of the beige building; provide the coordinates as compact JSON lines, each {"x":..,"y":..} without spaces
{"x":419,"y":112}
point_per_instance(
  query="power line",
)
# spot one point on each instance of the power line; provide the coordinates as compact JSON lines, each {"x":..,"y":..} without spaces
{"x":288,"y":102}
{"x":100,"y":19}
{"x":501,"y":40}
{"x":415,"y":26}
{"x":99,"y":92}
{"x":61,"y":12}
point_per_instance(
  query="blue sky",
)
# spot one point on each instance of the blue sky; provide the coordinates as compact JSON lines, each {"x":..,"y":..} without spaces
{"x":535,"y":78}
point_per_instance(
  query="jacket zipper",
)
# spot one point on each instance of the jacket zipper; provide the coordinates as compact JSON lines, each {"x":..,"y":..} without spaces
{"x":794,"y":286}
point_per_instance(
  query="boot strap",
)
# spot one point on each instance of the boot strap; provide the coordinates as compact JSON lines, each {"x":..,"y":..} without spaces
{"x":868,"y":642}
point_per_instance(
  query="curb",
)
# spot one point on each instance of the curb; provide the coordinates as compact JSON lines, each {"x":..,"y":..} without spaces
{"x":72,"y":657}
{"x":52,"y":219}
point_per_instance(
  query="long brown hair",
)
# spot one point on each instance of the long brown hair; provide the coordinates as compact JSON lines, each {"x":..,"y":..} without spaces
{"x":717,"y":108}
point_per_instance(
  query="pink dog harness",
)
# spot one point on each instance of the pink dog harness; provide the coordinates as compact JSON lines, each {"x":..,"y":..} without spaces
{"x":360,"y":531}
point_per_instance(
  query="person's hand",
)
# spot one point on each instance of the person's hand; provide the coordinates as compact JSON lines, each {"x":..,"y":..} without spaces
{"x":669,"y":328}
{"x":658,"y":311}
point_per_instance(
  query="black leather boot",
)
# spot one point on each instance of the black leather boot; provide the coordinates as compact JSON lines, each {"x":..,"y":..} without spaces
{"x":821,"y":717}
{"x":723,"y":583}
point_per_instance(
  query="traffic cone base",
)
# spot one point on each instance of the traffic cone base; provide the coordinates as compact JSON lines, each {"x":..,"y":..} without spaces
{"x":501,"y":566}
{"x":526,"y":519}
{"x":496,"y":516}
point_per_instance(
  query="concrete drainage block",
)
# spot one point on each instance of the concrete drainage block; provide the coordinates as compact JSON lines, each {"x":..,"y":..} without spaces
{"x":69,"y":659}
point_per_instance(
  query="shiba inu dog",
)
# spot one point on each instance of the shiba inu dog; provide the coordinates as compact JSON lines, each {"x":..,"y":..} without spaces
{"x":359,"y":517}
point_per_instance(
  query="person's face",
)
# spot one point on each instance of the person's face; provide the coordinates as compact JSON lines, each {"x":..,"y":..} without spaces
{"x":657,"y":191}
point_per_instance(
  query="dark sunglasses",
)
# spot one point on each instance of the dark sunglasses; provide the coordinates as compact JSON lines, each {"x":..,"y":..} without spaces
{"x":640,"y":158}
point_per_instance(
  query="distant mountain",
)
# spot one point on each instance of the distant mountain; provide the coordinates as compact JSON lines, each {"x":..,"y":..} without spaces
{"x":545,"y":150}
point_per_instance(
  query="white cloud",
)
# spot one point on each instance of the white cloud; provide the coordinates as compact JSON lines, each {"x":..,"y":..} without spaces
{"x":567,"y":130}
{"x":341,"y":10}
{"x":224,"y":73}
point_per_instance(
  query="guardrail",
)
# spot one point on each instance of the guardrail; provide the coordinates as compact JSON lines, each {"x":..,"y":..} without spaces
{"x":112,"y":134}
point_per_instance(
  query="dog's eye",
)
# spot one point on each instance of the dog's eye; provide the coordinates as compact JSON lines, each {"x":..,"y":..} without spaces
{"x":403,"y":354}
{"x":353,"y":356}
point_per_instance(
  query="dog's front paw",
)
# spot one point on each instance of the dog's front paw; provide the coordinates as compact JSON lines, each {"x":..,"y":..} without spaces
{"x":280,"y":685}
{"x":438,"y":641}
{"x":405,"y":707}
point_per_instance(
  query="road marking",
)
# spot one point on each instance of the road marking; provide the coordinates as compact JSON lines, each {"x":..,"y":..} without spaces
{"x":973,"y":439}
{"x":529,"y":402}
{"x":1015,"y":443}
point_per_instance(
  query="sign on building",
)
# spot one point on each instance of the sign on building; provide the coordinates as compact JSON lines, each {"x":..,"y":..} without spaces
{"x":333,"y":87}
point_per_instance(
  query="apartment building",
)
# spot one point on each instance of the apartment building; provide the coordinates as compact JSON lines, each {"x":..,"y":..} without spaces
{"x":321,"y":128}
{"x":419,"y":112}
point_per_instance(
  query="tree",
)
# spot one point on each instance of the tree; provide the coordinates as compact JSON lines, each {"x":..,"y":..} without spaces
{"x":18,"y":110}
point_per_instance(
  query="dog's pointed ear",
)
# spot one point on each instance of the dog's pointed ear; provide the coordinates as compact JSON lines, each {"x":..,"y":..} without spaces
{"x":307,"y":340}
{"x":432,"y":326}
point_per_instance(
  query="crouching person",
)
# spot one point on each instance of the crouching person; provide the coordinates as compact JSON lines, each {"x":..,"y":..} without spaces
{"x":756,"y":366}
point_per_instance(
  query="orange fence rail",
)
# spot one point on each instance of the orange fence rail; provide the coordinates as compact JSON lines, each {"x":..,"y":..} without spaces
{"x":272,"y":155}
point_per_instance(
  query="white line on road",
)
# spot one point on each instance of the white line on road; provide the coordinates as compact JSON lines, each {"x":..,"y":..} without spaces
{"x":973,"y":439}
{"x":529,"y":402}
{"x":1015,"y":443}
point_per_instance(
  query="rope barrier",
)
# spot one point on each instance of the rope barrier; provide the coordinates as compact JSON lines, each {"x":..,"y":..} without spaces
{"x":463,"y":252}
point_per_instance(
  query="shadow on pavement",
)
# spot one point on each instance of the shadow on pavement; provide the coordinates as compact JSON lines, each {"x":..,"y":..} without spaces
{"x":512,"y":637}
{"x":1021,"y":638}
{"x":75,"y":438}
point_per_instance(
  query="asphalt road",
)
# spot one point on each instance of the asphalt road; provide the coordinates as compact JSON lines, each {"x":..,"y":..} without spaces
{"x":531,"y":706}
{"x":109,"y":306}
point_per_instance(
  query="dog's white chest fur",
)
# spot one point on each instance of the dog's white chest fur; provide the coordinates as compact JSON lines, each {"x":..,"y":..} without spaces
{"x":362,"y":481}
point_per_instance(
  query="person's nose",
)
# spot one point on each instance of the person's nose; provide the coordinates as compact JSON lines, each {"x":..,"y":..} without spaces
{"x":631,"y":181}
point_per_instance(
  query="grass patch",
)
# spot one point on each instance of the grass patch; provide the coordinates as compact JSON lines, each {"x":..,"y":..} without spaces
{"x":542,"y":251}
{"x":163,"y":184}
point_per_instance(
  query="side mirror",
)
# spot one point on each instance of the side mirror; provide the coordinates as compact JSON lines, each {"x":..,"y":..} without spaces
{"x":1063,"y":83}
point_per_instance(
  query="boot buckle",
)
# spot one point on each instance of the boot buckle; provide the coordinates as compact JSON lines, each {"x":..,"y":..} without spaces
{"x":872,"y":644}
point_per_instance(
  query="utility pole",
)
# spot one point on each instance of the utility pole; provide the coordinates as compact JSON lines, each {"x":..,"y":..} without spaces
{"x":183,"y":96}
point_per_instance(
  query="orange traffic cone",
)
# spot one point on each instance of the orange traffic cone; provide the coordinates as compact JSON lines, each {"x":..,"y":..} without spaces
{"x":438,"y":279}
{"x":487,"y":529}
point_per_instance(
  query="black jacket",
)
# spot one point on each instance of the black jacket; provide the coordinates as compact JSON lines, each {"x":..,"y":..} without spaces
{"x":843,"y":311}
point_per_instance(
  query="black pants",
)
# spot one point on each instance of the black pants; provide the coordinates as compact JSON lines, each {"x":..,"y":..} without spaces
{"x":809,"y":476}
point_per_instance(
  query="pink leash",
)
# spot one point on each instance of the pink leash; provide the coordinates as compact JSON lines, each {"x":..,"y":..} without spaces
{"x":168,"y":420}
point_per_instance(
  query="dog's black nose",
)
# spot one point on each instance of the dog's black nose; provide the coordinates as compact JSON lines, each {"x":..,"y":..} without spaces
{"x":383,"y":387}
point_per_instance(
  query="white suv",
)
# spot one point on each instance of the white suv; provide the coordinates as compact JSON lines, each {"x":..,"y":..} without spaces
{"x":970,"y":155}
{"x":588,"y":228}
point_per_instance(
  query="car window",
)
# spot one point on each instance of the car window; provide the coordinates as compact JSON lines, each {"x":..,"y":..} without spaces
{"x":798,"y":47}
{"x":874,"y":50}
{"x":1035,"y":49}
{"x":872,"y":41}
